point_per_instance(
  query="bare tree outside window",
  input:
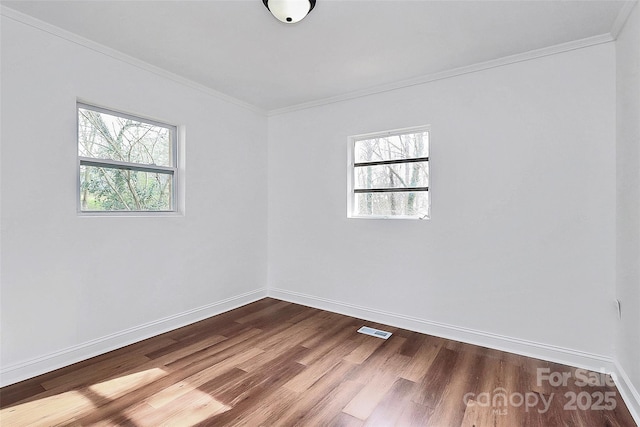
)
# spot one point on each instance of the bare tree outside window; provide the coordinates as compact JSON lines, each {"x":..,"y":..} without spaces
{"x":126,"y":163}
{"x":391,"y":174}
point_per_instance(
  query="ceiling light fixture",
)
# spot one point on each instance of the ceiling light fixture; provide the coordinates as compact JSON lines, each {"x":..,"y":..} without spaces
{"x":289,"y":11}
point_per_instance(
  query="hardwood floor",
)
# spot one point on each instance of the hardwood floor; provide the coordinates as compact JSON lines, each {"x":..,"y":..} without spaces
{"x":273,"y":363}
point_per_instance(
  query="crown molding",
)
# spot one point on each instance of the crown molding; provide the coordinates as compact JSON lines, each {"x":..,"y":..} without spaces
{"x":622,"y":17}
{"x":117,"y":55}
{"x":467,"y":69}
{"x":473,"y":68}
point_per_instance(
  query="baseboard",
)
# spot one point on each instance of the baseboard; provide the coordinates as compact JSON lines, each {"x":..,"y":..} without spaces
{"x":40,"y":365}
{"x":627,"y":390}
{"x":556,"y":354}
{"x":548,"y":352}
{"x":31,"y":368}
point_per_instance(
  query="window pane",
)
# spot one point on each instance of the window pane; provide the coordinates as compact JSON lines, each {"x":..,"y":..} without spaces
{"x":112,"y":189}
{"x":390,"y":204}
{"x":402,"y":175}
{"x":394,"y":147}
{"x":106,"y":136}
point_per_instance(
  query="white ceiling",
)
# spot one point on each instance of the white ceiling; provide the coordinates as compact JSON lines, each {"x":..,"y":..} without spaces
{"x":236,"y":47}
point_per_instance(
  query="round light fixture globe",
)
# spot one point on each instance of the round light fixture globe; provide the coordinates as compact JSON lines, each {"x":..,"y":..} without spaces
{"x":289,"y":11}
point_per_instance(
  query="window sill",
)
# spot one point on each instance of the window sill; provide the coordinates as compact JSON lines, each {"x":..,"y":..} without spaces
{"x":129,"y":214}
{"x":423,"y":218}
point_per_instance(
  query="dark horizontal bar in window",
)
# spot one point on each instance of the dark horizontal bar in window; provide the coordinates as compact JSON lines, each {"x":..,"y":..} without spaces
{"x":113,"y":164}
{"x":392,"y":162}
{"x":390,"y":190}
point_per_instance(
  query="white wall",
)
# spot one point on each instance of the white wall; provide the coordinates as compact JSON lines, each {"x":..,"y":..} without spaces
{"x":627,"y":341}
{"x":521,"y":243}
{"x":68,"y":280}
{"x":522,"y":237}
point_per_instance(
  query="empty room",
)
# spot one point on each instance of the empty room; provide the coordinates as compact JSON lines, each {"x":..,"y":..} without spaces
{"x":320,"y":213}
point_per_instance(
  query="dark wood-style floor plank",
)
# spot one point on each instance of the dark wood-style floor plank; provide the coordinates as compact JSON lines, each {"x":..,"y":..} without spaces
{"x":274,"y":363}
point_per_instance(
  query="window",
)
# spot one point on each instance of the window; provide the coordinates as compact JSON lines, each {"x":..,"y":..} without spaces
{"x":125,"y":163}
{"x":389,"y":174}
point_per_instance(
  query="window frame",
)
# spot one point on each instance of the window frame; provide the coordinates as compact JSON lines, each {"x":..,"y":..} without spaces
{"x":172,"y":170}
{"x":352,"y":165}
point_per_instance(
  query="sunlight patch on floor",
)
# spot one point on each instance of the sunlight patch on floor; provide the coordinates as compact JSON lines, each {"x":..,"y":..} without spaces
{"x":47,"y":411}
{"x":116,"y":387}
{"x":191,"y":409}
{"x":52,"y":410}
{"x":169,"y":394}
{"x":175,"y":391}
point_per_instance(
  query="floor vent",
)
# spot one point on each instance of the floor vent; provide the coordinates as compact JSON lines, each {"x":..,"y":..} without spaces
{"x":374,"y":332}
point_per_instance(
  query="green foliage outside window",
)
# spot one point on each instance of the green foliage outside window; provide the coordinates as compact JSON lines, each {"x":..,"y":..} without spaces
{"x":120,"y":158}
